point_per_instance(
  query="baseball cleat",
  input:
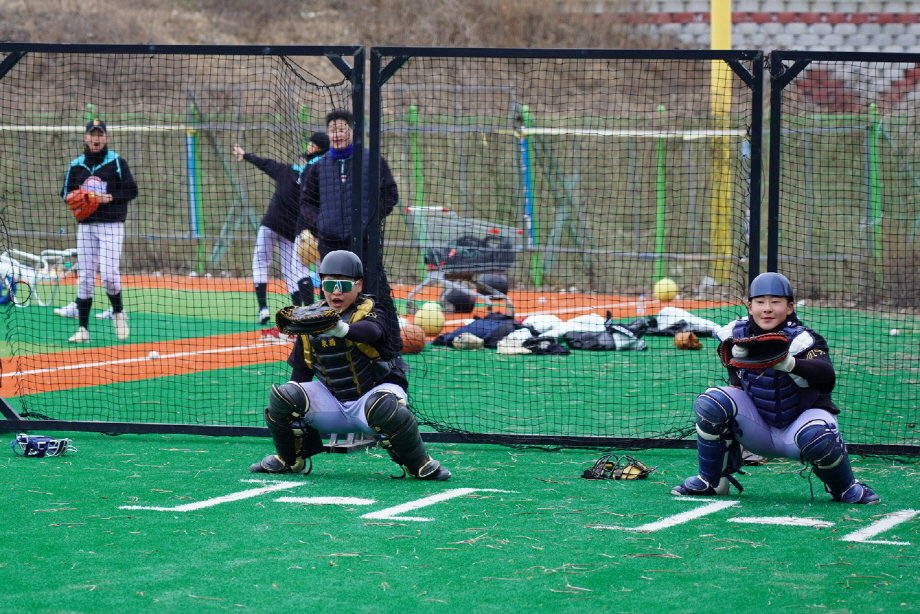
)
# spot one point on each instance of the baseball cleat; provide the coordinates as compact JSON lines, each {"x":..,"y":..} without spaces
{"x":81,"y":336}
{"x":273,"y":464}
{"x":105,"y":315}
{"x":858,"y":493}
{"x":264,"y":316}
{"x":433,"y":470}
{"x":67,"y":311}
{"x":120,"y":320}
{"x":697,"y":486}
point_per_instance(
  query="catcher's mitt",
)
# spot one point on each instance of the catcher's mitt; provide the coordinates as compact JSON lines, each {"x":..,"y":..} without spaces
{"x":619,"y":468}
{"x":307,"y":248}
{"x":757,"y":352}
{"x":312,"y":319}
{"x":82,"y":203}
{"x":687,"y":340}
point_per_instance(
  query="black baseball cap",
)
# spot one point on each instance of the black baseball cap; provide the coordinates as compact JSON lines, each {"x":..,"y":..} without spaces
{"x":96,"y":124}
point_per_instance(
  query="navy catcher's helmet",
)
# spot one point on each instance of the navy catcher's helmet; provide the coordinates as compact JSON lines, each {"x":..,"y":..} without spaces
{"x":772,"y":284}
{"x":342,"y":262}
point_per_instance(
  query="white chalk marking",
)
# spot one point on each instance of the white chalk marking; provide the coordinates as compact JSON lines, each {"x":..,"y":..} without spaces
{"x":673,"y":521}
{"x":236,"y":496}
{"x":863,"y":536}
{"x":326,"y":500}
{"x":125,"y":361}
{"x":783,"y":521}
{"x":392,"y":513}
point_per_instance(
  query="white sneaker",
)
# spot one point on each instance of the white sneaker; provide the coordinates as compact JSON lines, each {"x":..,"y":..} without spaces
{"x":81,"y":336}
{"x":105,"y":315}
{"x":67,"y":311}
{"x":120,"y":320}
{"x":264,"y":316}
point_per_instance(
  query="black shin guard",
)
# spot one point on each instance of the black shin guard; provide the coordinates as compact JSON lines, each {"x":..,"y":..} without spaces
{"x":294,"y":440}
{"x":388,"y":415}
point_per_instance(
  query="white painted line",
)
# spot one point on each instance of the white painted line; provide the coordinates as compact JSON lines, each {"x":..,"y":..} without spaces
{"x":783,"y":521}
{"x":888,"y":521}
{"x":392,"y":513}
{"x":124,"y":361}
{"x":326,"y":500}
{"x":236,"y":496}
{"x":672,"y":521}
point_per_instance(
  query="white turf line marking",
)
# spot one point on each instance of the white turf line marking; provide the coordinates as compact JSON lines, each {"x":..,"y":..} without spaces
{"x":886,"y":522}
{"x":784,"y":521}
{"x":665,"y":523}
{"x":392,"y":513}
{"x":236,"y":496}
{"x":124,"y":361}
{"x":326,"y":500}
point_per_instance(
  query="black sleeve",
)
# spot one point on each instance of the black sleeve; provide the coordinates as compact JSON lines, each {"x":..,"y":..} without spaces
{"x":369,"y":331}
{"x":125,"y":188}
{"x":300,"y":372}
{"x":814,"y":364}
{"x":272,"y":168}
{"x":308,"y":212}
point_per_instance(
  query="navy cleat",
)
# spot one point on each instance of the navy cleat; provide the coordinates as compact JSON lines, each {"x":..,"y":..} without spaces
{"x":273,"y":464}
{"x":858,"y":493}
{"x":697,"y":486}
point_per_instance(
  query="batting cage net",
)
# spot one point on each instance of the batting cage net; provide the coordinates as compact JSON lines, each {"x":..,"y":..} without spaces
{"x":196,"y":350}
{"x":845,"y":212}
{"x":566,"y":219}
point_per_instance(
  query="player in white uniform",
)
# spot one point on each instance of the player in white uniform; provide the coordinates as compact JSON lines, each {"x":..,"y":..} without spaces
{"x":101,"y":235}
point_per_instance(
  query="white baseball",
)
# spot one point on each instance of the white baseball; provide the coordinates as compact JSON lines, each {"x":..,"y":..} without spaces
{"x":739,"y":351}
{"x":153,"y":355}
{"x":894,"y":332}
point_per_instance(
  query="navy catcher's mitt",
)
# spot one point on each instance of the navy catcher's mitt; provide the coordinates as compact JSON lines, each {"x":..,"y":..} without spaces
{"x":756,"y":353}
{"x":312,"y":319}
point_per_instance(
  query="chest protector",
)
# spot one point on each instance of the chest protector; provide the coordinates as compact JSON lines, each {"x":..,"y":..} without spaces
{"x":346,"y":368}
{"x":778,"y":399}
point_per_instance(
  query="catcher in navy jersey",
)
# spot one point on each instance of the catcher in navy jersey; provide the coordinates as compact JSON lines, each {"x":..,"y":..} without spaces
{"x":341,"y":381}
{"x":778,"y":401}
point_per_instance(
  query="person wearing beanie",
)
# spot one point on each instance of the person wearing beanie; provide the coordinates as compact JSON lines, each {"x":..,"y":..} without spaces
{"x":277,"y":228}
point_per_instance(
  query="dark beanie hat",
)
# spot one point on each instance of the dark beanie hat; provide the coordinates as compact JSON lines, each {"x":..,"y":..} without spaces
{"x":321,"y":139}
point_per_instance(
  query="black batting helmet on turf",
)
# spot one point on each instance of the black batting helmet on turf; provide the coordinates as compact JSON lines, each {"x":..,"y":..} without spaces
{"x":770,"y":284}
{"x":342,"y":263}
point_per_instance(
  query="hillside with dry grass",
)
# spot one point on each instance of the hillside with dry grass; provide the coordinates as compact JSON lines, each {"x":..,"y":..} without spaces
{"x":452,"y":23}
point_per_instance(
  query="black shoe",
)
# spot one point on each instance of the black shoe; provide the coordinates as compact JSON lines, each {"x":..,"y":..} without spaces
{"x":273,"y":464}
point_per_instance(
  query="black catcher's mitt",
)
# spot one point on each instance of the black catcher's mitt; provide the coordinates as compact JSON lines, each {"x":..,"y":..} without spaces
{"x":757,"y":352}
{"x":610,"y":467}
{"x":312,"y":319}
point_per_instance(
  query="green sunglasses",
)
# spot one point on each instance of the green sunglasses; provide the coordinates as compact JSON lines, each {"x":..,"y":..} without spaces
{"x":342,"y":285}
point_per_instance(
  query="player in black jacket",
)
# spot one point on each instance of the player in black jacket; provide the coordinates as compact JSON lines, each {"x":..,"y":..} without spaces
{"x":101,"y":235}
{"x":278,"y":227}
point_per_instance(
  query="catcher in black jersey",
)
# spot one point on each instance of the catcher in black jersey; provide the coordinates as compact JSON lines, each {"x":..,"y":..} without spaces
{"x":778,"y":401}
{"x":341,"y":381}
